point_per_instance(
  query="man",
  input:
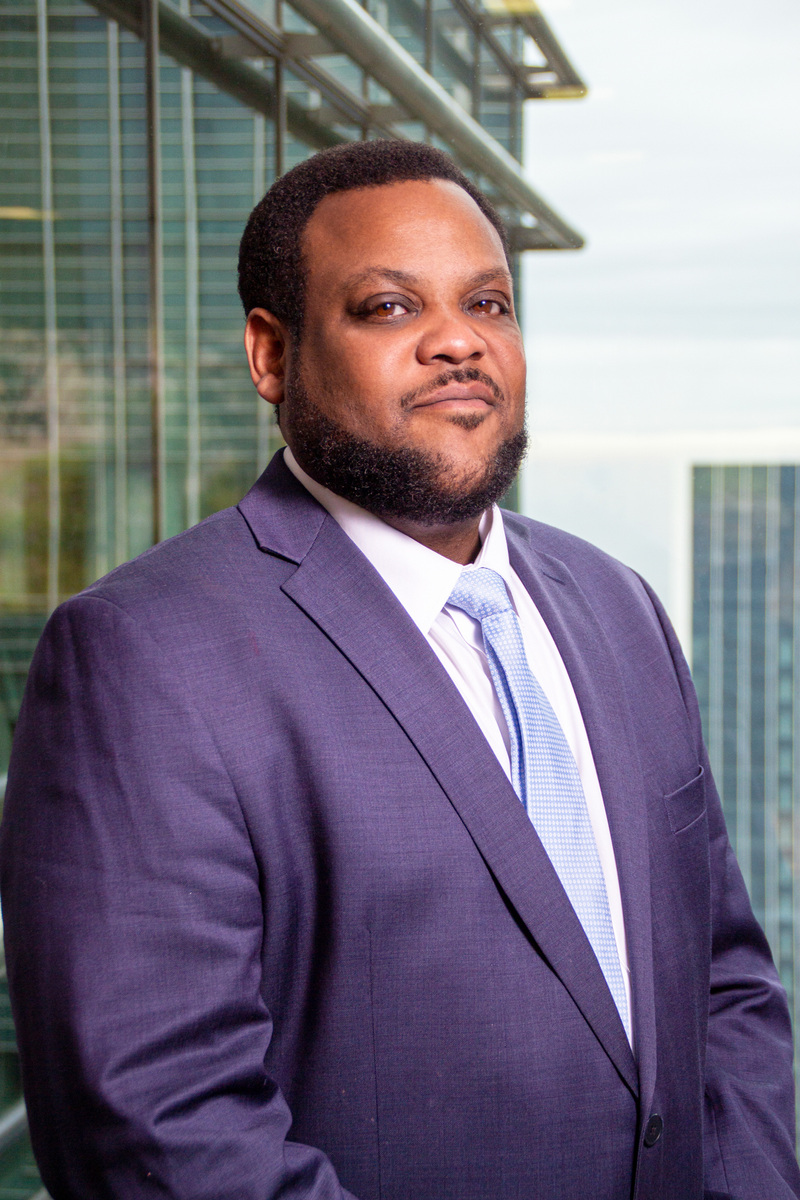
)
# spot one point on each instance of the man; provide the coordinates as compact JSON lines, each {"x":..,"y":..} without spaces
{"x":278,"y":923}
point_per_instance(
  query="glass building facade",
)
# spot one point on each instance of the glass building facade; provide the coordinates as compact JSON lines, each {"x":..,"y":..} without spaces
{"x":137,"y":136}
{"x":746,"y":662}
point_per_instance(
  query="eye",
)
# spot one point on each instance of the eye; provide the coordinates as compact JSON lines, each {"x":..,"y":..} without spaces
{"x":389,"y":308}
{"x":490,"y":306}
{"x":385,"y":309}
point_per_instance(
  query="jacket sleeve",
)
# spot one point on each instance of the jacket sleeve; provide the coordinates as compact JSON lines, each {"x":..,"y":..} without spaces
{"x":749,"y":1093}
{"x":749,"y":1129}
{"x":133,"y":921}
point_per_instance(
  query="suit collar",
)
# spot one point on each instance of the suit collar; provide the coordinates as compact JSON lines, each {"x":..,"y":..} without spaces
{"x":283,"y":518}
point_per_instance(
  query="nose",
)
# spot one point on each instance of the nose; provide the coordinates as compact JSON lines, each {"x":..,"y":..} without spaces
{"x":450,"y":336}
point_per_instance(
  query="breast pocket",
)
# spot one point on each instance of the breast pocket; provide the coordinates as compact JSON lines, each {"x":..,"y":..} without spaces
{"x":687,"y":804}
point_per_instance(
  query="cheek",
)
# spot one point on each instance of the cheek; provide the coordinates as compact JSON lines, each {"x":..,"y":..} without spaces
{"x":349,"y":361}
{"x":378,"y":358}
{"x":327,"y":375}
{"x":350,"y":389}
{"x":515,"y":370}
{"x":372,"y":377}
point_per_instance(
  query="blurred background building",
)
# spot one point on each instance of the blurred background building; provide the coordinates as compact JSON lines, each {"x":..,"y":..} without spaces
{"x":137,"y":135}
{"x":746,"y":649}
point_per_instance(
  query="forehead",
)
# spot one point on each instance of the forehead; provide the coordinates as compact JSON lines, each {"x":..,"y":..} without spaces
{"x":402,"y":226}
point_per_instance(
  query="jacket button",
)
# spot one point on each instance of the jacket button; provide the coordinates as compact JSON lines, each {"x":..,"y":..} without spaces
{"x":653,"y":1130}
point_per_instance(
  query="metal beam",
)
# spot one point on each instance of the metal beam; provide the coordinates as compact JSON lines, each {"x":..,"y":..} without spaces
{"x":192,"y":267}
{"x":117,"y":300}
{"x":50,"y":317}
{"x":527,"y":237}
{"x":304,"y":45}
{"x":476,"y":18}
{"x":567,"y":83}
{"x":155,"y":256}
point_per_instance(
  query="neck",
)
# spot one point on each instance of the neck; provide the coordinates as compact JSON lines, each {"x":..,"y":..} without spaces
{"x":460,"y":543}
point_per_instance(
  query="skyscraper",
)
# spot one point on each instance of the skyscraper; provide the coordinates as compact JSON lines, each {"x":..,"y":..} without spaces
{"x":746,"y":661}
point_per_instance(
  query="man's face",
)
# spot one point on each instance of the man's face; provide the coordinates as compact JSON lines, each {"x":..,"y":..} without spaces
{"x":410,"y":347}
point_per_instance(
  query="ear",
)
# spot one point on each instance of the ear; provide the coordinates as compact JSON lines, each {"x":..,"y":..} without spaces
{"x":266,"y":341}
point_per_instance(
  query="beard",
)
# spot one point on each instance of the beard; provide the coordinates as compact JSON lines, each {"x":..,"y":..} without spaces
{"x":399,"y":482}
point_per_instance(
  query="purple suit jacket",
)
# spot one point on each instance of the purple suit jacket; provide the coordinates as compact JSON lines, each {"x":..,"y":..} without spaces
{"x":278,"y":926}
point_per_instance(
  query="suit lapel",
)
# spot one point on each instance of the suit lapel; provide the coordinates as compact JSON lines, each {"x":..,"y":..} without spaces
{"x":339,"y":590}
{"x":596,"y":678}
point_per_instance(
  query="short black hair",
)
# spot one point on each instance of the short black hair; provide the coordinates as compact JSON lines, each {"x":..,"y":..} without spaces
{"x":271,"y":269}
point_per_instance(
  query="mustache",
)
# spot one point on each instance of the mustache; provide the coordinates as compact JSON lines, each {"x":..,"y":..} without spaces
{"x":457,"y":375}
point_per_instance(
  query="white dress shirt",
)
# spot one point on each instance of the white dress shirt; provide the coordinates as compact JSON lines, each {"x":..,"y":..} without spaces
{"x":422,"y":581}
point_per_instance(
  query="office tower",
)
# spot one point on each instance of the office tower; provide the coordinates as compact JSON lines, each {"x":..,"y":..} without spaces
{"x":746,"y":660}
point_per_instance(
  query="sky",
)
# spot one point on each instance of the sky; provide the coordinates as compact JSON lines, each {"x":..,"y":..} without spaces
{"x":681,"y":317}
{"x":682,"y":169}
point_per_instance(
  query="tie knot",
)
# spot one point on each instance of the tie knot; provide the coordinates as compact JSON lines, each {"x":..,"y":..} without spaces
{"x":481,"y":593}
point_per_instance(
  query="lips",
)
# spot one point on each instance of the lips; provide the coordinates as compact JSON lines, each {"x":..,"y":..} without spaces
{"x":473,"y":395}
{"x":465,"y":388}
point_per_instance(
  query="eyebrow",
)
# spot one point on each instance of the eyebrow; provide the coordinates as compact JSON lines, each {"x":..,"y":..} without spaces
{"x":404,"y":277}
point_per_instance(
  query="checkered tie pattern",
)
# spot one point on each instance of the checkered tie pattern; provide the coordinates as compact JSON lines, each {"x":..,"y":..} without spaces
{"x":543,"y":769}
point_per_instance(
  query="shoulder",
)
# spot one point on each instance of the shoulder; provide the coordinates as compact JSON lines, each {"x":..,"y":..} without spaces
{"x":210,"y":568}
{"x":589,"y":566}
{"x":239,"y":553}
{"x":627,"y":608}
{"x":177,"y":563}
{"x":189,"y":603}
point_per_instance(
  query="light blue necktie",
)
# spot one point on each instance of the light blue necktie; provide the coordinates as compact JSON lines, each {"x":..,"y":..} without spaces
{"x":543,"y":769}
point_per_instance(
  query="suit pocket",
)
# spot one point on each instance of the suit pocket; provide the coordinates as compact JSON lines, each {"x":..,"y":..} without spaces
{"x":685,"y":805}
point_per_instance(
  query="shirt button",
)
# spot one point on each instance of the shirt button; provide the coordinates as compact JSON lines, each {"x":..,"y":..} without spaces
{"x":653,"y":1130}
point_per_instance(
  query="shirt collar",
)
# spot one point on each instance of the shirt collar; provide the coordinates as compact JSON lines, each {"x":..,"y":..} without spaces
{"x":421,"y":579}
